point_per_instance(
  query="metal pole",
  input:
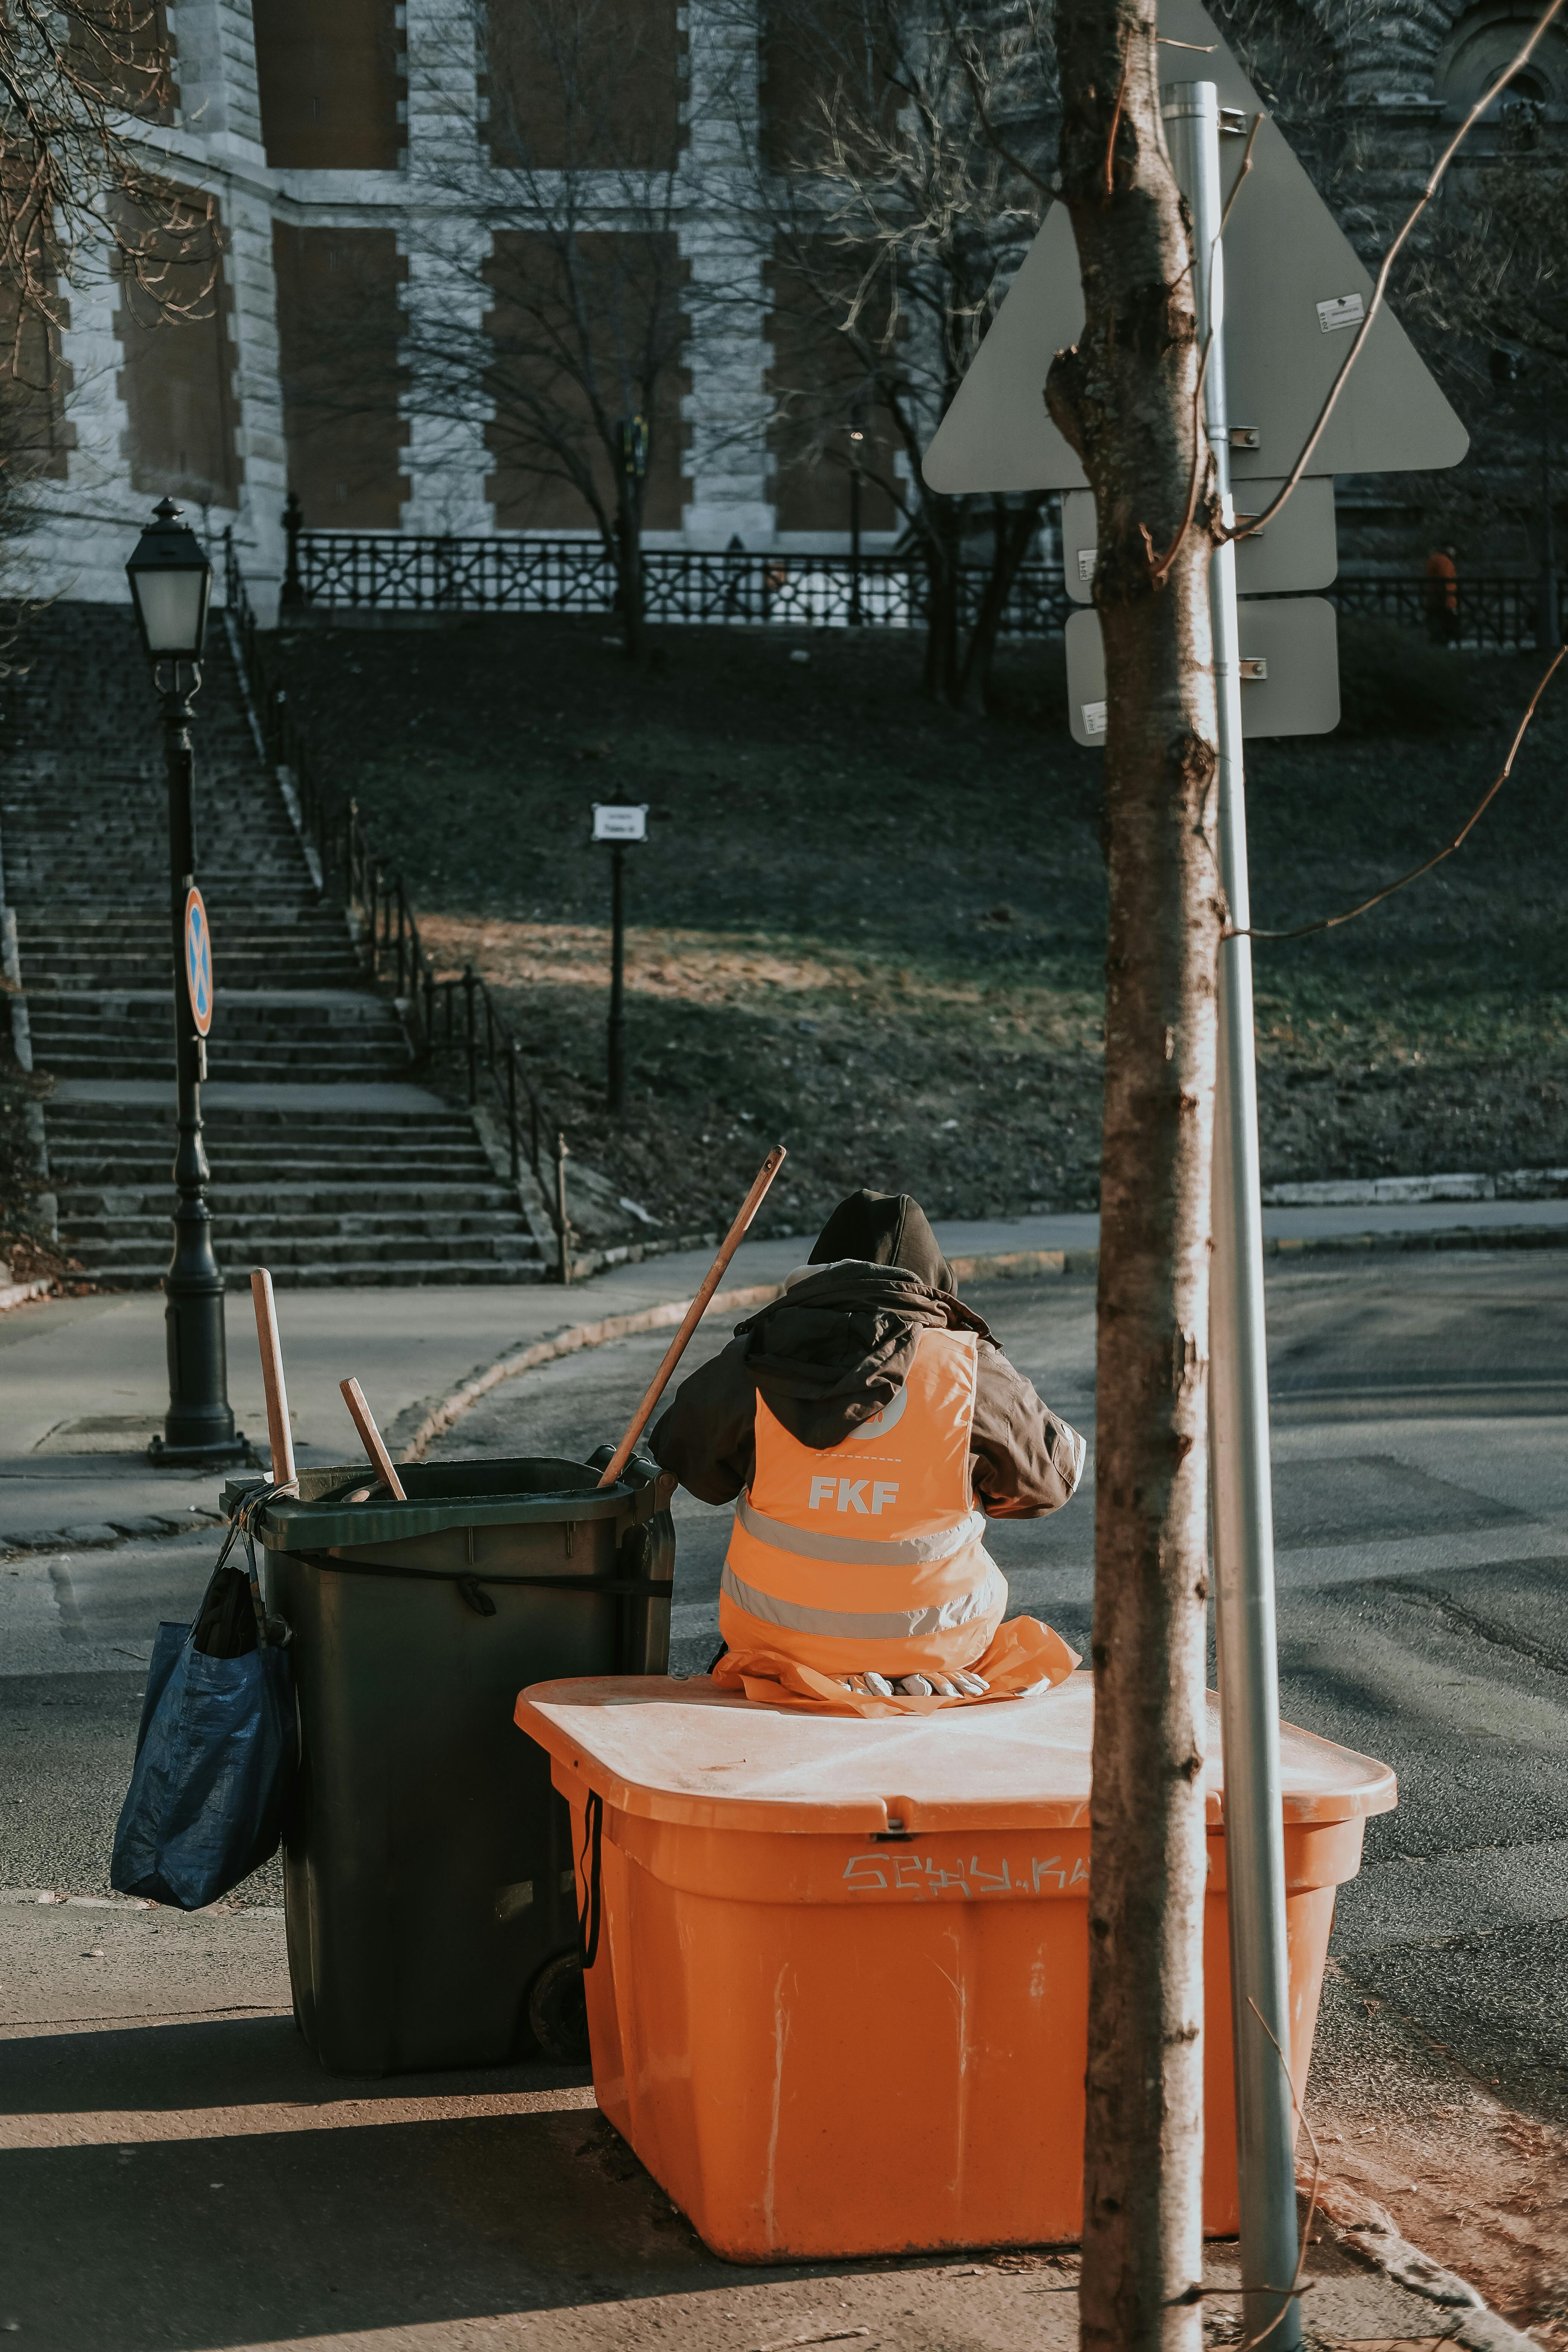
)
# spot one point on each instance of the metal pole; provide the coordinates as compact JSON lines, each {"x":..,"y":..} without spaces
{"x":618,"y":981}
{"x":469,"y":983}
{"x":563,"y":1230}
{"x":511,"y":1107}
{"x":198,"y":1428}
{"x":853,"y":540}
{"x":1240,"y":1489}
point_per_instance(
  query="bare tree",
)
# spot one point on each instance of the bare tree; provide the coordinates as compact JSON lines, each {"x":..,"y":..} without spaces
{"x":1488,"y":291}
{"x":1125,"y":397}
{"x":79,"y":197}
{"x":892,"y":197}
{"x":562,"y":304}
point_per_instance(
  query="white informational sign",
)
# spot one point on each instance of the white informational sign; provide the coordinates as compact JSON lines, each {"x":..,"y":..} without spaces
{"x":1293,"y":283}
{"x":625,"y":822}
{"x":1289,"y":670}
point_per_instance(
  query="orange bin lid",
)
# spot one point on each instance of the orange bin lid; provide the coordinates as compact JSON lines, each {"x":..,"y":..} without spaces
{"x":688,"y":1752}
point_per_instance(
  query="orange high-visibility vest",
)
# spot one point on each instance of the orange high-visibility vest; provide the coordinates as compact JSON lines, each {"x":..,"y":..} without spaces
{"x":865,"y":1556}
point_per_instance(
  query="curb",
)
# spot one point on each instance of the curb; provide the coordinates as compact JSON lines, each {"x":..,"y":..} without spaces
{"x":17,"y":1294}
{"x":1366,"y":2231}
{"x":571,"y":1338}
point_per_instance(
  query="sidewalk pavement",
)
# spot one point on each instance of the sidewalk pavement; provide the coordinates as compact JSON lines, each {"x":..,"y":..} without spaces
{"x":237,"y":2195}
{"x":83,"y":1381}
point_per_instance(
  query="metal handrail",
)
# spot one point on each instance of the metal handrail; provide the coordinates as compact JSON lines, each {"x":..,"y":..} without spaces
{"x":398,"y":955}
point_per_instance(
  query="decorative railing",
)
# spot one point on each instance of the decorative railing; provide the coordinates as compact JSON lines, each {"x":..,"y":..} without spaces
{"x":1492,"y":615}
{"x":387,"y":572}
{"x":457,"y":1014}
{"x":512,"y":573}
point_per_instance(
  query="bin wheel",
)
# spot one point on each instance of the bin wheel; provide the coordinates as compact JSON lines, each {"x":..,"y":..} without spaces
{"x":558,"y":2011}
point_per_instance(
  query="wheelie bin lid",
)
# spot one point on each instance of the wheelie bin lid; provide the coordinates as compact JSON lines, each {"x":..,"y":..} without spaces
{"x":508,"y":1492}
{"x":688,"y":1752}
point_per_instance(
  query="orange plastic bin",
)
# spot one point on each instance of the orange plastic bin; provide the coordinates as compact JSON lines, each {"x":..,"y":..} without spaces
{"x":838,"y":1997}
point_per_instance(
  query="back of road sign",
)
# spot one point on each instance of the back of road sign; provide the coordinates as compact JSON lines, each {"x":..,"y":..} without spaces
{"x":1298,"y":549}
{"x":1295,"y":293}
{"x":1289,"y":670}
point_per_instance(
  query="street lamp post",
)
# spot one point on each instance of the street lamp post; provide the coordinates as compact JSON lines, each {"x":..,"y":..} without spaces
{"x":856,"y":444}
{"x":171,"y":582}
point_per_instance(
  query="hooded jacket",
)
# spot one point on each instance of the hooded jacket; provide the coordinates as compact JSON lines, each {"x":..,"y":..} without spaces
{"x":834,"y":1349}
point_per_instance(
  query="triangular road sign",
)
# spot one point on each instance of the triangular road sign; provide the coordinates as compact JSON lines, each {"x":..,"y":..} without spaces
{"x":1294,"y":292}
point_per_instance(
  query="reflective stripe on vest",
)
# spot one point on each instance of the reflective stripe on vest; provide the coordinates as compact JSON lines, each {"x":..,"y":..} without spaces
{"x":868,"y":1554}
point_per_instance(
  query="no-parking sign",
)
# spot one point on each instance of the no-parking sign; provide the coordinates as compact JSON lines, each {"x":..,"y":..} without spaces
{"x":198,"y":961}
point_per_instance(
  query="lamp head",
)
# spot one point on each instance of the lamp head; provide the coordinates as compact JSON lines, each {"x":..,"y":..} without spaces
{"x":171,"y":582}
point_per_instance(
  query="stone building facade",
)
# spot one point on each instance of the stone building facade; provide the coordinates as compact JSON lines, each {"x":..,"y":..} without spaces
{"x":316,"y":131}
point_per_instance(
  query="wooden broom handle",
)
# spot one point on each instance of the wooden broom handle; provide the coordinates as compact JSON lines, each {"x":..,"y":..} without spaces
{"x":371,"y":1439}
{"x":277,"y":1429}
{"x":694,"y":1314}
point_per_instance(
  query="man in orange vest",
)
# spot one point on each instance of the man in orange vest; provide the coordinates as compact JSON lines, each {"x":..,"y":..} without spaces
{"x":868,"y":1425}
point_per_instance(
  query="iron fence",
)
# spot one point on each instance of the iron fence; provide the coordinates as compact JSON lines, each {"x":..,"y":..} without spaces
{"x":1490,"y":615}
{"x":388,"y":572}
{"x":457,"y":1012}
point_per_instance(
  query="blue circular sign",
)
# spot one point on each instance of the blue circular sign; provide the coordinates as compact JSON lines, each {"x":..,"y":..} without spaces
{"x":198,"y":961}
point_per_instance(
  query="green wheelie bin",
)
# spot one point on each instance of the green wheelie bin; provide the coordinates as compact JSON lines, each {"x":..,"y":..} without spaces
{"x":429,"y":1878}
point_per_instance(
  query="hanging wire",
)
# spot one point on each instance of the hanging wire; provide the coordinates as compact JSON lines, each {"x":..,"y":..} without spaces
{"x":1332,"y":922}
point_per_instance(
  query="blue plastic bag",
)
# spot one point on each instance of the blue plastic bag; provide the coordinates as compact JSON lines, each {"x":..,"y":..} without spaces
{"x":214,"y":1753}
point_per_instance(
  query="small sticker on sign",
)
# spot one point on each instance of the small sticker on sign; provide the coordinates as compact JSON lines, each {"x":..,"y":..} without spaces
{"x":1341,"y":310}
{"x":1094,"y":718}
{"x":620,"y":823}
{"x":1085,"y":556}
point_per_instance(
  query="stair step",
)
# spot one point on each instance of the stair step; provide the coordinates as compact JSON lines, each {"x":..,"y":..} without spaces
{"x":329,"y":1196}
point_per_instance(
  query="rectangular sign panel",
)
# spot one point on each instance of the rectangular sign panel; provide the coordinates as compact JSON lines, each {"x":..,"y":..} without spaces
{"x":620,"y":822}
{"x":1289,"y":670}
{"x":1298,"y":549}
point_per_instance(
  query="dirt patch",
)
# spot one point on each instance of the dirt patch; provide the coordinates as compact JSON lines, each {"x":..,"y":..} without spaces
{"x":878,"y":930}
{"x":1463,"y":2174}
{"x":1483,"y":2190}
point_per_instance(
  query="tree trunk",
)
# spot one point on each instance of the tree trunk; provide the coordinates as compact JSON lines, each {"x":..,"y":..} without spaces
{"x":1126,"y":398}
{"x":941,"y":617}
{"x":1015,"y":527}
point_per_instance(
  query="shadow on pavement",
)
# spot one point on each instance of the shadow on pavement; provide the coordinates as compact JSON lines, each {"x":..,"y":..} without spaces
{"x":206,"y":2185}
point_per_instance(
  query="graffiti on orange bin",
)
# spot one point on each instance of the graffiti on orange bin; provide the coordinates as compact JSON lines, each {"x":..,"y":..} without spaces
{"x":913,"y":1874}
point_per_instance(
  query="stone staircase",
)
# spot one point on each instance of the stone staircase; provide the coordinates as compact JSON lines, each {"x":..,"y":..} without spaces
{"x":331,"y":1164}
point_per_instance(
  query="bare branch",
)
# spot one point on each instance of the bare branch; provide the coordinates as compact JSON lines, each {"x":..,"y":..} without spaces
{"x":1332,"y":922}
{"x":1257,"y":522}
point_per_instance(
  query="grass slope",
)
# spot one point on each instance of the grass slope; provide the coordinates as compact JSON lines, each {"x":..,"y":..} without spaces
{"x":871,"y":928}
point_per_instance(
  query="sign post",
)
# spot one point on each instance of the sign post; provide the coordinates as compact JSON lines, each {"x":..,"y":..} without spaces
{"x":1296,"y":291}
{"x":617,"y":825}
{"x":1240,"y":1483}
